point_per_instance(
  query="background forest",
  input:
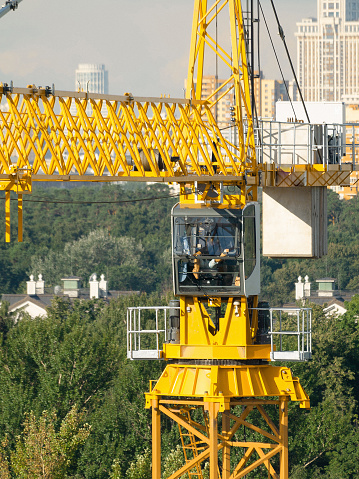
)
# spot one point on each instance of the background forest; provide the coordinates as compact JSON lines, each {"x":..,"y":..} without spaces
{"x":124,"y":232}
{"x":72,"y":405}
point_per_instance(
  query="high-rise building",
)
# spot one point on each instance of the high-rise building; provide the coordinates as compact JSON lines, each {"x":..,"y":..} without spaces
{"x":92,"y":77}
{"x":266,"y":93}
{"x":221,"y":110}
{"x":328,"y":52}
{"x":272,"y":91}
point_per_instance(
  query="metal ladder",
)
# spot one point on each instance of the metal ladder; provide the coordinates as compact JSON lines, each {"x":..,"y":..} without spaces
{"x":191,"y":445}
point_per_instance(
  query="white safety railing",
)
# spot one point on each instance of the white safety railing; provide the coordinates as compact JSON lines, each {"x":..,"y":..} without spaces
{"x":290,"y":144}
{"x":146,"y":331}
{"x":290,"y":331}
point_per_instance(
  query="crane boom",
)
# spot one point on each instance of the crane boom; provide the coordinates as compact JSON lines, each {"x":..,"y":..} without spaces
{"x":77,"y":136}
{"x":135,"y":137}
{"x":48,"y":135}
{"x":8,"y":6}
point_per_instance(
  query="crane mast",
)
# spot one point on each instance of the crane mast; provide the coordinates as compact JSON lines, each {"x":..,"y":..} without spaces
{"x":217,"y":360}
{"x":219,"y":340}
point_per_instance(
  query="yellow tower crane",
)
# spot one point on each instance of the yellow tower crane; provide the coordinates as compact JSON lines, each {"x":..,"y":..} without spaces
{"x":218,"y":340}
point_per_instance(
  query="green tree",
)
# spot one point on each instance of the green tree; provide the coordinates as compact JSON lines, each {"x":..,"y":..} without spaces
{"x":172,"y":462}
{"x":44,"y":452}
{"x":120,"y":258}
{"x":4,"y":460}
{"x":140,"y":468}
{"x":324,"y":442}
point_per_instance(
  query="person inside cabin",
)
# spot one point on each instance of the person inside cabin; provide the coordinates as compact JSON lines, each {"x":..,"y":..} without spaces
{"x":211,"y":254}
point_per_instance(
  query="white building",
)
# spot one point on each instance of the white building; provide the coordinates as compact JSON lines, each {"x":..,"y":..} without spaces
{"x":328,"y":52}
{"x":92,"y":77}
{"x":331,"y":299}
{"x":38,"y":298}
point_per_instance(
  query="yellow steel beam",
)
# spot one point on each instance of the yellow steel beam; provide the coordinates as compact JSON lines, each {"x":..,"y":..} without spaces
{"x":19,"y":217}
{"x":213,"y":409}
{"x":69,"y":134}
{"x":283,"y":433}
{"x":256,"y":453}
{"x":7,"y":216}
{"x":226,"y":457}
{"x":156,"y":440}
{"x":231,"y":59}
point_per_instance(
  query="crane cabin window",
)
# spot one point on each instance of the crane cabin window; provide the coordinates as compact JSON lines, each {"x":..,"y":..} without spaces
{"x":207,"y":251}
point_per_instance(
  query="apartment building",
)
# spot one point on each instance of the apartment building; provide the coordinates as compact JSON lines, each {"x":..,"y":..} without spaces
{"x":328,"y":52}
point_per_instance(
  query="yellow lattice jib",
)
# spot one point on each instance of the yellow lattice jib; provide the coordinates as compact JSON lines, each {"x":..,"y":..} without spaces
{"x":80,"y":134}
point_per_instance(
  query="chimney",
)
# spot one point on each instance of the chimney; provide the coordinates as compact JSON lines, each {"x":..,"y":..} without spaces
{"x":94,"y":287}
{"x":307,"y":286}
{"x":299,"y":289}
{"x":31,"y":286}
{"x":40,"y":285}
{"x":326,"y":287}
{"x":103,"y":286}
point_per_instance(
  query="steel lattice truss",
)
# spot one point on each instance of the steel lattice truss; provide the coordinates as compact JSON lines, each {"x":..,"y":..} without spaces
{"x":99,"y":135}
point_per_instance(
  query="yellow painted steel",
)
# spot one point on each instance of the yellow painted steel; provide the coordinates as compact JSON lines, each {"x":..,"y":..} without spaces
{"x":217,"y":366}
{"x":76,"y":136}
{"x":48,"y":135}
{"x":231,"y":56}
{"x":223,"y":383}
{"x":220,"y":430}
{"x":200,"y":340}
{"x":71,"y":133}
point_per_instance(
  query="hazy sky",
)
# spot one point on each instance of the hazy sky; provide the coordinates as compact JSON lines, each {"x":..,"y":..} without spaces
{"x":143,"y":43}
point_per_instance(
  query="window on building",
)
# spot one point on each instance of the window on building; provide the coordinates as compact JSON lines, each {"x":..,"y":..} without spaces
{"x":331,"y":6}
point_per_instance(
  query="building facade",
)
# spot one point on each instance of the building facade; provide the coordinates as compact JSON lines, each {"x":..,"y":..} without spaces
{"x":92,"y":77}
{"x":38,"y":298}
{"x":328,"y":52}
{"x":272,"y":91}
{"x":221,"y":110}
{"x":266,"y":93}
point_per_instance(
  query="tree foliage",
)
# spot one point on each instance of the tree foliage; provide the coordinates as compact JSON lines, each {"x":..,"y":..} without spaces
{"x":121,"y":259}
{"x":43,"y":452}
{"x":76,"y":357}
{"x":128,"y":220}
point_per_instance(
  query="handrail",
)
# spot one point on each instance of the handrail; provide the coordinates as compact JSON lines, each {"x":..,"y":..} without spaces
{"x":280,"y":334}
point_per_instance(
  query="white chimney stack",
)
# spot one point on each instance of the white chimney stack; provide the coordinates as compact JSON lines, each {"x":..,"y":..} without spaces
{"x":299,"y":289}
{"x":103,"y":286}
{"x":31,"y":286}
{"x":307,"y":286}
{"x":40,"y":285}
{"x":94,"y":287}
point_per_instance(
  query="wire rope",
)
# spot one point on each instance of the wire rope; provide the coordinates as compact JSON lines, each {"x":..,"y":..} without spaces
{"x":75,"y":202}
{"x":276,"y":56}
